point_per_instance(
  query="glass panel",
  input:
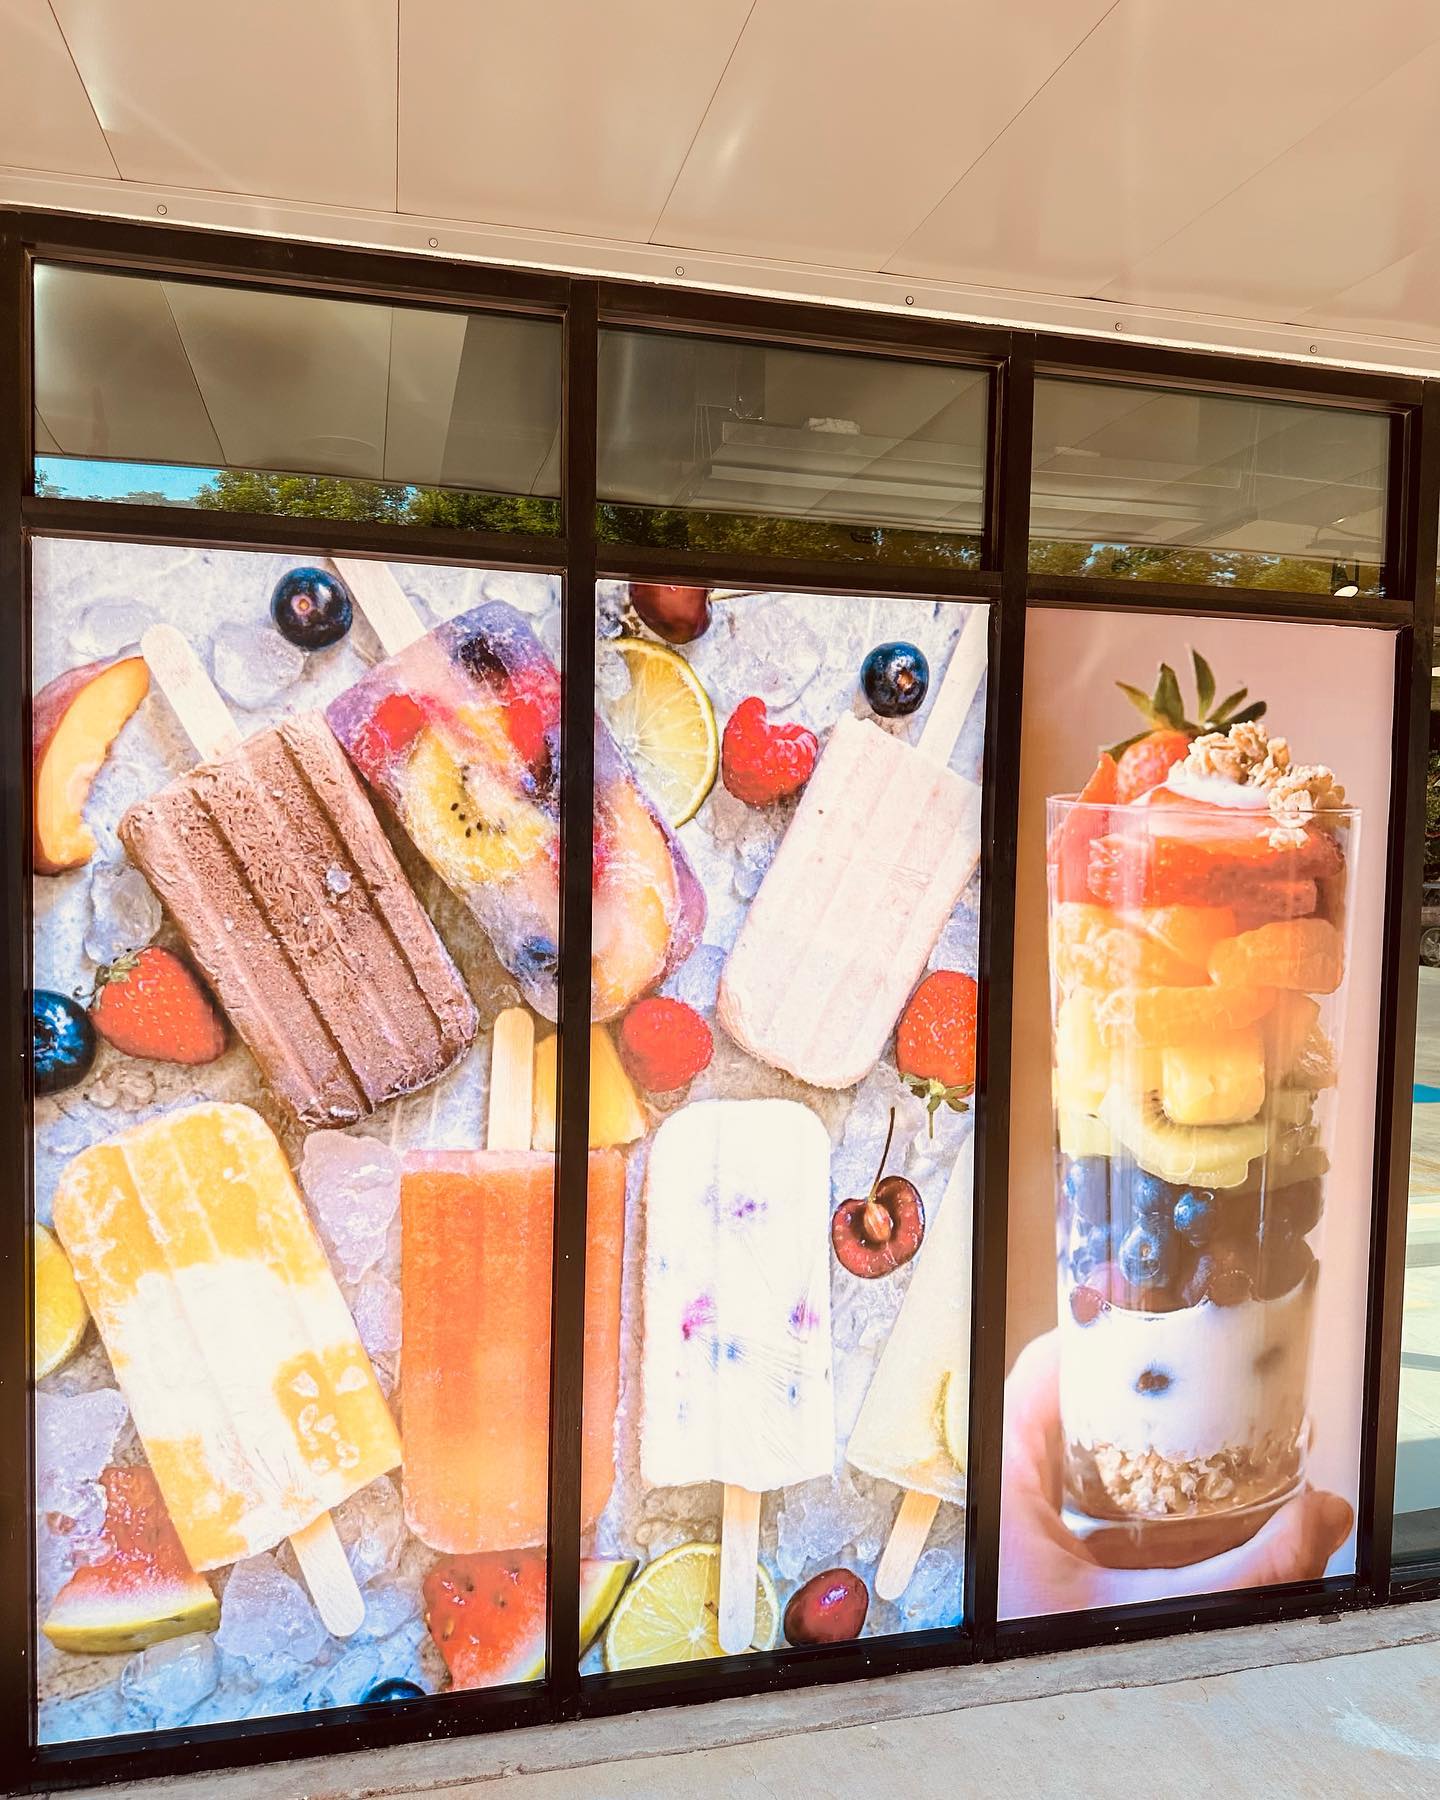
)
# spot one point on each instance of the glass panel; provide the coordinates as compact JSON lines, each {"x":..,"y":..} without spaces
{"x":1198,"y":951}
{"x":711,"y":444}
{"x":782,"y":1162}
{"x":1153,"y":485}
{"x":1417,"y":1467}
{"x":260,"y":401}
{"x":267,"y":1141}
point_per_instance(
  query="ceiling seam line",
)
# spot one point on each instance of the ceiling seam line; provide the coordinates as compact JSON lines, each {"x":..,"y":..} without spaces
{"x":700,"y":123}
{"x":85,"y":90}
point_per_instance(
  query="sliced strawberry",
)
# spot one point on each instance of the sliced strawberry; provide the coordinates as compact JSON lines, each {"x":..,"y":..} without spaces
{"x":389,"y":732}
{"x":532,"y":709}
{"x":1070,"y":845}
{"x":1144,"y":765}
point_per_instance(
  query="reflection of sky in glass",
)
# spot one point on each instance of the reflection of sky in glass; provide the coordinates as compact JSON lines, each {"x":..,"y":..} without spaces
{"x":76,"y":478}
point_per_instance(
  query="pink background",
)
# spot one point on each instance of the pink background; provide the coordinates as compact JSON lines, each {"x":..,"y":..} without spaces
{"x":1330,"y":691}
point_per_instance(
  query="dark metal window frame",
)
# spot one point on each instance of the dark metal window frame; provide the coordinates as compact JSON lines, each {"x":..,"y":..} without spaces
{"x":1013,"y":358}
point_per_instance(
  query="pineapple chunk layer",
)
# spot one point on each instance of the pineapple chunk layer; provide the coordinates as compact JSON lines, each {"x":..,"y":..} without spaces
{"x":1221,"y":1082}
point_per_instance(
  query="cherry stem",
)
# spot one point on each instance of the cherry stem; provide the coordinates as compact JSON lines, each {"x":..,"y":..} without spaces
{"x":884,"y":1153}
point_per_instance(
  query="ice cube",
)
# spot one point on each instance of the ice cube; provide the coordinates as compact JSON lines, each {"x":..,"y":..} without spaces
{"x":371,"y":1526}
{"x":164,"y":1684}
{"x":74,"y":1439}
{"x":388,"y":1606}
{"x":755,"y":849}
{"x":353,"y":1186}
{"x":121,"y":1084}
{"x":267,"y":1620}
{"x":531,"y":594}
{"x":345,"y":1682}
{"x":611,"y":598}
{"x":108,"y":627}
{"x":697,"y":980}
{"x":763,"y":645}
{"x":253,"y":664}
{"x":931,"y":1600}
{"x":377,"y":1315}
{"x":124,"y":912}
{"x":612,"y":677}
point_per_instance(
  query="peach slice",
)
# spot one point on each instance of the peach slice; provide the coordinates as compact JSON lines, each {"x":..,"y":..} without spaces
{"x":76,"y":718}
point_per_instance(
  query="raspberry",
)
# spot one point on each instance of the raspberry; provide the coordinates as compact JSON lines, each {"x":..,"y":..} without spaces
{"x":664,"y":1044}
{"x":761,"y":762}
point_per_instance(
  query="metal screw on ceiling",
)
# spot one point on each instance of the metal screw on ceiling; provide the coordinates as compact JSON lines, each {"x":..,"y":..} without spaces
{"x":434,"y":243}
{"x":679,"y":268}
{"x":1119,"y":324}
{"x":1314,"y":349}
{"x":909,"y":299}
{"x":162,"y":209}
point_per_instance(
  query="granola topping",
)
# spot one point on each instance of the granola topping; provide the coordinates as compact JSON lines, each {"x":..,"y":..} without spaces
{"x":1127,"y":1484}
{"x":1247,"y":755}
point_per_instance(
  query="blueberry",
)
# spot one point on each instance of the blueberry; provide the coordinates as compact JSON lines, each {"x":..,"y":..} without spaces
{"x":479,"y":657}
{"x":1152,"y":1381}
{"x":1298,"y":1206}
{"x":539,"y":959}
{"x":1087,"y":1188}
{"x":1285,"y":1260}
{"x":1151,"y":1197}
{"x":62,"y":1041}
{"x":1147,"y":1256}
{"x":895,"y":677}
{"x":393,"y":1689}
{"x":1196,"y":1216}
{"x":311,"y":608}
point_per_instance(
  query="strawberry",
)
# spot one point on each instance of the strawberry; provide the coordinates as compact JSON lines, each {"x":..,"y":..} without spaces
{"x":149,"y":1003}
{"x":935,"y":1041}
{"x":761,"y":762}
{"x":664,"y":1044}
{"x":389,"y":731}
{"x":1146,"y":763}
{"x":1070,"y":846}
{"x":532,"y":708}
{"x":1237,"y":868}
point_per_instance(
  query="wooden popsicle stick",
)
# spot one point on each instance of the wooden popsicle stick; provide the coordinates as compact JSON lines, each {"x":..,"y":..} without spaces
{"x":739,"y":1553}
{"x":180,"y":675}
{"x":383,"y":601}
{"x":906,"y":1541}
{"x":957,"y":688}
{"x":512,"y":1076}
{"x":329,"y":1577}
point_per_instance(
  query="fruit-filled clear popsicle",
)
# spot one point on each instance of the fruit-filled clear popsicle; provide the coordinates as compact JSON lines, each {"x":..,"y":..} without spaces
{"x":885,"y":839}
{"x":459,"y":729}
{"x":1197,"y":960}
{"x":272,"y":863}
{"x":913,"y":1423}
{"x":477,"y":1234}
{"x":242,"y":1368}
{"x":736,"y":1362}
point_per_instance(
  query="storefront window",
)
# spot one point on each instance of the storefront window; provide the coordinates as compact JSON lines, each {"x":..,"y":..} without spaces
{"x":713,"y":444}
{"x":284,"y":1066}
{"x":238,"y":400}
{"x":787,"y":842}
{"x":1145,"y":484}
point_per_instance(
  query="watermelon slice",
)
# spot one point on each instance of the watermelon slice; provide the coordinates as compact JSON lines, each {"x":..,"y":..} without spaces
{"x":486,"y":1612}
{"x":143,"y":1589}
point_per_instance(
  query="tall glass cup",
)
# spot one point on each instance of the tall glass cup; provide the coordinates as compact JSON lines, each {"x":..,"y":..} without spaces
{"x":1197,"y":979}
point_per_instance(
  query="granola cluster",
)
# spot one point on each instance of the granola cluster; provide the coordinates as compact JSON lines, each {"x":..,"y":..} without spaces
{"x":1124,"y":1484}
{"x":1248,"y":755}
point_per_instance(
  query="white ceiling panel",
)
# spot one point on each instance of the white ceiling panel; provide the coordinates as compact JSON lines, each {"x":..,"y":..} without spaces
{"x":46,"y":120}
{"x":267,"y":98}
{"x":565,"y":115}
{"x":1354,"y":196}
{"x":836,"y":130}
{"x":1167,"y":107}
{"x":1401,"y":300}
{"x":290,"y":382}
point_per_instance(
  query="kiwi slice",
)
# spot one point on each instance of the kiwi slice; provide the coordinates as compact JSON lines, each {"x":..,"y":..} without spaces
{"x":1211,"y":1156}
{"x":1082,"y":1134}
{"x":462,"y":818}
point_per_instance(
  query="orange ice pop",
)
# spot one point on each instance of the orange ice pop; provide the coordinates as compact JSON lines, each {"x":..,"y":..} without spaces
{"x":476,"y":1234}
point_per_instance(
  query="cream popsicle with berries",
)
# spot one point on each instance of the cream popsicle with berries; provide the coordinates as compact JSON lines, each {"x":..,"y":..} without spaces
{"x":736,"y":1363}
{"x":885,"y":839}
{"x":916,"y":1409}
{"x":459,"y":729}
{"x":230,"y":1340}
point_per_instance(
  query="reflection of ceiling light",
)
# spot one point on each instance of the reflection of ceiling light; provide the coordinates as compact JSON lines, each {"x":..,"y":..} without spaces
{"x":1348,"y":592}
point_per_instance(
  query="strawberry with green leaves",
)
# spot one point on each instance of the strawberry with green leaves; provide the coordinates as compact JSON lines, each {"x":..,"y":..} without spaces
{"x":149,"y":1003}
{"x":935,"y":1041}
{"x":1147,"y":758}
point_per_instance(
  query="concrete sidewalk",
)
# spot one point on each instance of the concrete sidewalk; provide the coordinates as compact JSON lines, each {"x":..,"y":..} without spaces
{"x":1343,"y":1705}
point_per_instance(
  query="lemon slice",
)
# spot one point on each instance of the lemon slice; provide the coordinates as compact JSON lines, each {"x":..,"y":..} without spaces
{"x":665,"y":724}
{"x":671,"y":1611}
{"x":60,"y":1313}
{"x":955,"y":1417}
{"x":601,"y":1585}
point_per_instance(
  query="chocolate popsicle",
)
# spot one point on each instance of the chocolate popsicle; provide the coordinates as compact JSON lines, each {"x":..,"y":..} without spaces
{"x":274,"y":867}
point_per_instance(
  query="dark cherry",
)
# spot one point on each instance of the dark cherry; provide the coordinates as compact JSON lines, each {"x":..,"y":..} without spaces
{"x":880,"y":1231}
{"x":677,"y":614}
{"x":829,"y":1609}
{"x":311,"y":608}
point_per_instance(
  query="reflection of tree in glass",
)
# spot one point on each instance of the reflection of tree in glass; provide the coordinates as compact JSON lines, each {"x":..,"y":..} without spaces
{"x":1432,"y":817}
{"x":376,"y":502}
{"x":759,"y":534}
{"x":1191,"y":563}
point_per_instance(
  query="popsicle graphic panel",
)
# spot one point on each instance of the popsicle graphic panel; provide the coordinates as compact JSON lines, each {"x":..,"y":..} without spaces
{"x":792,"y":1432}
{"x":268,"y":1057}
